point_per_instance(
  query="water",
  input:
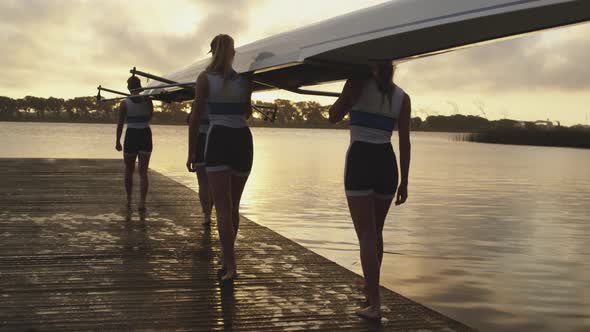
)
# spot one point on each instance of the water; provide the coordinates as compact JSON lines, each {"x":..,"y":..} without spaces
{"x":495,"y":236}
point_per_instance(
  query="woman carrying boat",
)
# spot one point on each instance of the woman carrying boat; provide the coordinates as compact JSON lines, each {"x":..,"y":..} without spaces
{"x":226,"y":96}
{"x":137,"y":111}
{"x":205,"y":197}
{"x":375,"y":105}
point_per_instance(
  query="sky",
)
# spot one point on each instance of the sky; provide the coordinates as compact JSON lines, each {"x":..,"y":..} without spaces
{"x":65,"y":48}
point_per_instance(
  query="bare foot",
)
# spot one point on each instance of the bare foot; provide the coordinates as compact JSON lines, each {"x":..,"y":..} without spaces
{"x":370,"y":313}
{"x":366,"y":293}
{"x":230,"y":274}
{"x":361,"y":286}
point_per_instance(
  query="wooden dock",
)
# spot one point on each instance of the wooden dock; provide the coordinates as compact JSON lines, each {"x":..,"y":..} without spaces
{"x":73,"y":258}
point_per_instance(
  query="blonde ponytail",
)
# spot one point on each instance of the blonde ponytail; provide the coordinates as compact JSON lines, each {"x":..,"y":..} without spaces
{"x":222,"y":47}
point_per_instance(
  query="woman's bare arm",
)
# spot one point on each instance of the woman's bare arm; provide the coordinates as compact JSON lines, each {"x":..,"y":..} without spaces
{"x":249,"y":106}
{"x":405,"y":149}
{"x":198,"y":106}
{"x":349,"y":96}
{"x":120,"y":124}
{"x":151,"y":104}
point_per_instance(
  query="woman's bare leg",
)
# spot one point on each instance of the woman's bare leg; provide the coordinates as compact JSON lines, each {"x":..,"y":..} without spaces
{"x":204,"y":194}
{"x":129,"y":169}
{"x":143,"y":165}
{"x":237,"y":188}
{"x":381,"y":209}
{"x":220,"y":184}
{"x":362,"y":211}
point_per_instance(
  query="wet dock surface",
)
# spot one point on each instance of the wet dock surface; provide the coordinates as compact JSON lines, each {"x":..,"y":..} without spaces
{"x":72,"y":257}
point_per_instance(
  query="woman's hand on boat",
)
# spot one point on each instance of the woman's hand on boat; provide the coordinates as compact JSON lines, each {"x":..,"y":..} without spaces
{"x":402,"y":194}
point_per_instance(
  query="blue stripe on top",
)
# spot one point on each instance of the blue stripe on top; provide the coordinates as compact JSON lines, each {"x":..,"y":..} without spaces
{"x":227,"y":108}
{"x":138,"y":119}
{"x":364,"y":119}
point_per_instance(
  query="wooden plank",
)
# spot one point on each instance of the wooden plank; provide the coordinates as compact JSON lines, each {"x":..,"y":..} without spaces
{"x":72,"y":257}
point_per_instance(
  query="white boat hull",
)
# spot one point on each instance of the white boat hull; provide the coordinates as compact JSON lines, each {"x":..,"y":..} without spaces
{"x":397,"y":31}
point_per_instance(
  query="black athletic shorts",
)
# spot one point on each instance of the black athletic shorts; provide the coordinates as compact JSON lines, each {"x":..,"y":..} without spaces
{"x":229,"y":149}
{"x":137,"y":140}
{"x":371,"y":169}
{"x":200,"y":149}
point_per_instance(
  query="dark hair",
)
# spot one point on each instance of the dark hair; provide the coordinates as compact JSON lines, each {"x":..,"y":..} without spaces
{"x":384,"y":81}
{"x":133,"y":83}
{"x":214,"y":43}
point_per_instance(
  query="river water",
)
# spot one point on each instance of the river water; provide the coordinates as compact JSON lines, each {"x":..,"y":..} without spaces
{"x":496,"y":236}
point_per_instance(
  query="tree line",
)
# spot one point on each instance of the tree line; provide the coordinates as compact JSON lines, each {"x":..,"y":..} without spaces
{"x":79,"y":109}
{"x":303,"y":114}
{"x":87,"y":109}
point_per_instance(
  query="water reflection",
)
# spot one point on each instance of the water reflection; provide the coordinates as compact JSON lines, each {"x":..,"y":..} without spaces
{"x":136,"y":269}
{"x":228,"y":305}
{"x":495,"y":236}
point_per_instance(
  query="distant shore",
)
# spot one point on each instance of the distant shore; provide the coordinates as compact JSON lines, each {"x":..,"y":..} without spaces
{"x":552,"y":137}
{"x":302,"y":114}
{"x":255,"y":124}
{"x":572,"y":137}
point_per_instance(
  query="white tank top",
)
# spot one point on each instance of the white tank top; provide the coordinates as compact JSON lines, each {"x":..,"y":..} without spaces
{"x":228,"y":101}
{"x":372,"y":118}
{"x":138,"y":114}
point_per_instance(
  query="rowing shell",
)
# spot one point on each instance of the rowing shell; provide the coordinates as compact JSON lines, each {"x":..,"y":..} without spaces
{"x":400,"y":30}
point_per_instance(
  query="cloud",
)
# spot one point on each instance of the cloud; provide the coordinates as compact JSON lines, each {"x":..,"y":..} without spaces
{"x":67,"y":47}
{"x":87,"y":42}
{"x":166,"y":51}
{"x":552,"y":60}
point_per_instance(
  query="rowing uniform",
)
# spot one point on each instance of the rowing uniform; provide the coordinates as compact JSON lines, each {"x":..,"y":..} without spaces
{"x":371,"y":166}
{"x":138,"y":136}
{"x":202,"y":138}
{"x":229,"y":141}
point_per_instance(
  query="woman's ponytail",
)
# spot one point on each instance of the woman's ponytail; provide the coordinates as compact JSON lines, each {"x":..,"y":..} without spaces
{"x":222,"y":47}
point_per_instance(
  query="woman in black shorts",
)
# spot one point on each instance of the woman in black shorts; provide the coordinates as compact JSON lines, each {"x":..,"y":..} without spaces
{"x":137,"y":111}
{"x":226,"y":96}
{"x":375,"y":107}
{"x":205,"y":197}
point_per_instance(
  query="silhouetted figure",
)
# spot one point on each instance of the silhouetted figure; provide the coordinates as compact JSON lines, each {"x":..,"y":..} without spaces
{"x":137,"y":111}
{"x":229,"y":151}
{"x":205,"y":197}
{"x":375,"y":106}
